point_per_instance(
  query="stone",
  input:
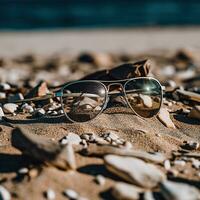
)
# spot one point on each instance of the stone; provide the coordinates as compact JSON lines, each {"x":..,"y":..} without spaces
{"x":4,"y":86}
{"x":126,"y":191}
{"x":195,"y":163}
{"x":99,"y":179}
{"x":71,"y":194}
{"x":1,"y":113}
{"x":188,"y":95}
{"x":42,"y":149}
{"x":148,"y":195}
{"x":168,"y":70}
{"x":167,"y":165}
{"x":2,"y":95}
{"x":4,"y":194}
{"x":134,"y":170}
{"x":39,"y":112}
{"x":195,"y":112}
{"x":102,"y":150}
{"x":23,"y":170}
{"x":27,"y":108}
{"x":10,"y":108}
{"x":111,"y":135}
{"x":50,"y":194}
{"x":33,"y":173}
{"x":164,"y":117}
{"x":71,"y":138}
{"x":178,"y":191}
{"x":128,"y":145}
{"x":180,"y":163}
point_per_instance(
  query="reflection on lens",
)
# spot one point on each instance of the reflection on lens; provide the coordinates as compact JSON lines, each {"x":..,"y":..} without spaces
{"x":144,"y":96}
{"x":82,"y":101}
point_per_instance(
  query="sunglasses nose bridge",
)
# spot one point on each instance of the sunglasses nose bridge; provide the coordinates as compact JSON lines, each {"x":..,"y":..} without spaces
{"x":119,"y":93}
{"x":115,"y":84}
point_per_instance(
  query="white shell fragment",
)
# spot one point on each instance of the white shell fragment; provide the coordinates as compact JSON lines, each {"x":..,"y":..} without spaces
{"x":134,"y":170}
{"x":164,"y":117}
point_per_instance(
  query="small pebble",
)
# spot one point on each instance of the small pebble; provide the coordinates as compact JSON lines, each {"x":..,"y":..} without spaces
{"x":39,"y":112}
{"x":2,"y":95}
{"x":27,"y":108}
{"x":10,"y":108}
{"x":71,"y":194}
{"x":195,"y":163}
{"x":128,"y":145}
{"x":23,"y":170}
{"x":72,"y":138}
{"x":4,"y":194}
{"x":50,"y":194}
{"x":100,"y":180}
{"x":167,"y":165}
{"x":1,"y":113}
{"x":33,"y":173}
{"x":180,"y":163}
{"x":4,"y":86}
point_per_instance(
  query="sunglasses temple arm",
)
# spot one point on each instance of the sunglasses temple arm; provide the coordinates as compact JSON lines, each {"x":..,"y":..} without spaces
{"x":60,"y":94}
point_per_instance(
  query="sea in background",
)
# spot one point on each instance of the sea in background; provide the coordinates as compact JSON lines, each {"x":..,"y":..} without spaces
{"x":50,"y":14}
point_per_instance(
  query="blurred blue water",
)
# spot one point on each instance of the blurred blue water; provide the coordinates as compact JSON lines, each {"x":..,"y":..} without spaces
{"x":45,"y":14}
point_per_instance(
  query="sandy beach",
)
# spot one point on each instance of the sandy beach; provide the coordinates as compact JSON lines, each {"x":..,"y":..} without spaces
{"x":167,"y":144}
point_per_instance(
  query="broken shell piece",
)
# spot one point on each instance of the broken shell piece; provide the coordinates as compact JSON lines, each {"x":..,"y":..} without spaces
{"x":164,"y":117}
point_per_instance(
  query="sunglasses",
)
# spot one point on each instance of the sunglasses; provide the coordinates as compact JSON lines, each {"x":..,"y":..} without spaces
{"x":84,"y":100}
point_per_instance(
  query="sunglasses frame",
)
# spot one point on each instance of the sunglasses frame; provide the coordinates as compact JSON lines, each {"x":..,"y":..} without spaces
{"x":106,"y":85}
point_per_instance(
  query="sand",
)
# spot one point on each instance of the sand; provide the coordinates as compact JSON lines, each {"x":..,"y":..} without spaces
{"x":149,"y":134}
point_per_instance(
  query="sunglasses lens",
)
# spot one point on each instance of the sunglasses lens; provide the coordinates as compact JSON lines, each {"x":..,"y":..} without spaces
{"x":144,"y":96}
{"x":83,"y":101}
